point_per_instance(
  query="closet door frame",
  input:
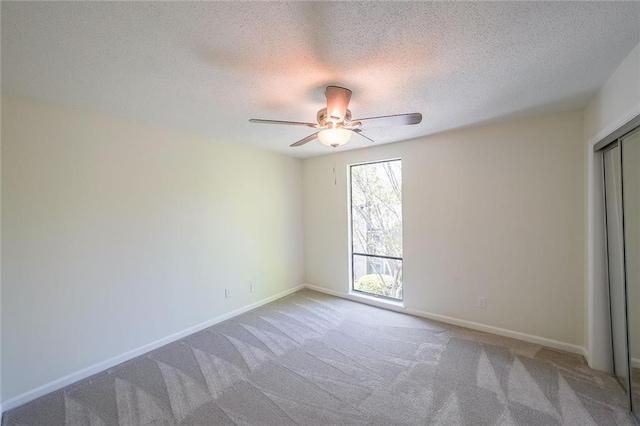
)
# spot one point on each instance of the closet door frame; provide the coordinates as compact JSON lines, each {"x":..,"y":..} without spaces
{"x":603,"y":151}
{"x":611,"y":141}
{"x":632,"y":132}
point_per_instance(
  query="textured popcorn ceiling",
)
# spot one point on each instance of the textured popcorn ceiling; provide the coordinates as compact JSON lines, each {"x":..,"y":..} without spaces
{"x":207,"y":68}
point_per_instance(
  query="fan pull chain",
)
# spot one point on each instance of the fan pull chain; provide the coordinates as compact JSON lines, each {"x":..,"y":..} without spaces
{"x":335,"y":179}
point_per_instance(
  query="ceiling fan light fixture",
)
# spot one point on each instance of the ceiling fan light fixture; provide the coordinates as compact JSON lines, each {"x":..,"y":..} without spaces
{"x":334,"y":137}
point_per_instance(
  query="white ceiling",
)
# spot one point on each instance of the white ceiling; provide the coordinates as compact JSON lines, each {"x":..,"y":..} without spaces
{"x":207,"y":68}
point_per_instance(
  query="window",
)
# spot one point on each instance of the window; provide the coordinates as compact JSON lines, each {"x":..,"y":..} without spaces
{"x":376,"y":228}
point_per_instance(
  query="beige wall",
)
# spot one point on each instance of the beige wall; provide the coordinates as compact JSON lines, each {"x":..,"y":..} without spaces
{"x":116,"y":234}
{"x":617,"y":102}
{"x":495,"y":211}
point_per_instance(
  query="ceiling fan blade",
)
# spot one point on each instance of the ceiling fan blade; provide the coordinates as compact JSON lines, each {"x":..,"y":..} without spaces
{"x":290,"y":123}
{"x":337,"y":102}
{"x":388,"y":120}
{"x":359,"y":131}
{"x":305,"y":140}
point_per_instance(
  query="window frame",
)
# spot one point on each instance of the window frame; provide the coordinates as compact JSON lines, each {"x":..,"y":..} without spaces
{"x":352,"y":254}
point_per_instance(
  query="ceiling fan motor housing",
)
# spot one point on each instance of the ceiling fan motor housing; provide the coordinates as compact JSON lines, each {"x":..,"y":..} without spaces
{"x":325,"y":121}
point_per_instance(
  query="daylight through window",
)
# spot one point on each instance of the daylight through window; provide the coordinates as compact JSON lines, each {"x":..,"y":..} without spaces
{"x":376,"y":228}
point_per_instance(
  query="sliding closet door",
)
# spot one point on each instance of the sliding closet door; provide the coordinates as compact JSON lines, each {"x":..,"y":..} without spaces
{"x":615,"y":254}
{"x":631,"y":189}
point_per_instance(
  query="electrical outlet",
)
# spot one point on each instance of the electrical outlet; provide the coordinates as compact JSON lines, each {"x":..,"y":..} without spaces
{"x":482,"y":302}
{"x":227,"y":293}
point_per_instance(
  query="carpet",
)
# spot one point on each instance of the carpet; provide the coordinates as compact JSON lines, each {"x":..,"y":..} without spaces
{"x":313,"y":359}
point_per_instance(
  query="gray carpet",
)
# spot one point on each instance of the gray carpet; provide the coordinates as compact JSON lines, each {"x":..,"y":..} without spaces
{"x":312,"y":359}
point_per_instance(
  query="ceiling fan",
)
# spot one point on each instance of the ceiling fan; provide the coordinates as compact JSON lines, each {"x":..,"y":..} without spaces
{"x":335,"y":120}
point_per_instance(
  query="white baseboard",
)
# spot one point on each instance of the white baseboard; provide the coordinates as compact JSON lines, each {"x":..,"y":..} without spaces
{"x":543,"y":341}
{"x":635,"y":362}
{"x":32,"y":394}
{"x":104,"y":365}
